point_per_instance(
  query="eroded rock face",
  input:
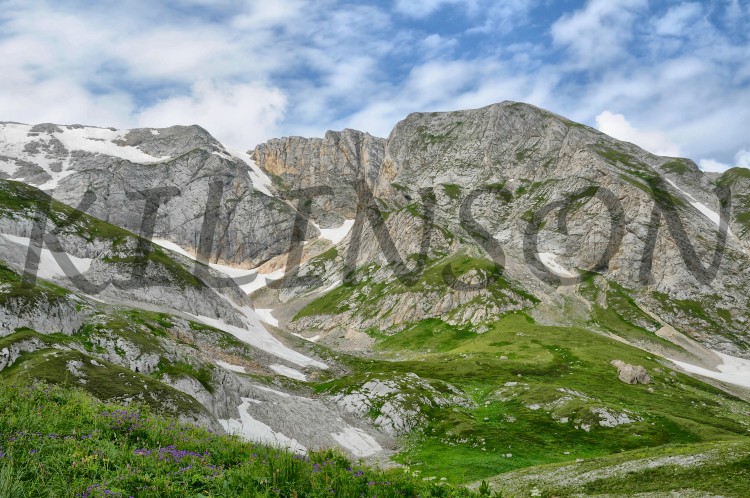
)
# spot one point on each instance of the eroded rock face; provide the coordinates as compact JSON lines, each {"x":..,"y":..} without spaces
{"x":631,"y":374}
{"x":336,"y":161}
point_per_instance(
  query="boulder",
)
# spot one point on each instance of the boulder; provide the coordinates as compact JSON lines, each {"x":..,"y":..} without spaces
{"x":631,"y":374}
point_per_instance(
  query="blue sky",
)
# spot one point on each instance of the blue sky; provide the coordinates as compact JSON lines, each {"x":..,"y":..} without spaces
{"x":671,"y":76}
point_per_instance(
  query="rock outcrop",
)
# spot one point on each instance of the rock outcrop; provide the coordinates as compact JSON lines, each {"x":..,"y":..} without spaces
{"x":631,"y":374}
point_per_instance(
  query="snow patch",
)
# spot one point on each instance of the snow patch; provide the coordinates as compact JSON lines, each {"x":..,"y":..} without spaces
{"x":549,"y":260}
{"x":336,"y":235}
{"x":357,"y":441}
{"x":15,"y":139}
{"x":260,"y":179}
{"x":255,"y":430}
{"x":101,"y":141}
{"x":273,"y":391}
{"x":48,"y":266}
{"x":314,"y":338}
{"x":230,"y":367}
{"x":261,"y":280}
{"x":709,"y":213}
{"x":288,"y":372}
{"x":266,"y":316}
{"x":257,"y":336}
{"x":732,"y":370}
{"x":240,"y":275}
{"x":172,"y":247}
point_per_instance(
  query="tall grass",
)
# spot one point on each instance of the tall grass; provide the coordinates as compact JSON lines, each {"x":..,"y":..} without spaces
{"x":62,"y":442}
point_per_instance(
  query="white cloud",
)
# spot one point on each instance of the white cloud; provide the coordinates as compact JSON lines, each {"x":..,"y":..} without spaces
{"x":241,"y":115}
{"x":675,"y":21}
{"x":741,"y":160}
{"x":656,"y":142}
{"x":249,"y":70}
{"x":423,"y":8}
{"x":713,"y":166}
{"x":598,"y":32}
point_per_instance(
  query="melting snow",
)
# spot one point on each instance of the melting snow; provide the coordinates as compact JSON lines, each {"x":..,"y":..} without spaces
{"x":705,"y":210}
{"x":273,"y":391}
{"x":230,"y":367}
{"x":253,"y":333}
{"x":101,"y":141}
{"x":255,"y":430}
{"x":257,"y":336}
{"x":314,"y":338}
{"x":172,"y":247}
{"x":238,"y":274}
{"x":550,"y":261}
{"x":48,"y":265}
{"x":336,"y":235}
{"x":260,"y":180}
{"x":357,"y":441}
{"x":288,"y":372}
{"x":732,"y":370}
{"x":261,"y":280}
{"x":266,"y":316}
{"x":15,"y":137}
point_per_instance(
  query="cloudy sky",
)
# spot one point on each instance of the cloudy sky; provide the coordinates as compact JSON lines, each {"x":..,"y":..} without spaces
{"x":671,"y":76}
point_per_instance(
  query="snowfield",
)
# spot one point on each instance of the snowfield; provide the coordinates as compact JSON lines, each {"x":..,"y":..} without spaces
{"x":358,"y":442}
{"x":230,"y":367}
{"x":48,"y":265}
{"x":253,"y":333}
{"x":260,"y":179}
{"x":288,"y":372}
{"x":240,"y":275}
{"x":336,"y":235}
{"x":266,"y":316}
{"x":732,"y":370}
{"x":14,"y":139}
{"x":255,"y":430}
{"x":258,"y":337}
{"x":549,"y":260}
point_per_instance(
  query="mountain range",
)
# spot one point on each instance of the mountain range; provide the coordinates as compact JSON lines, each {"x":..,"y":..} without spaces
{"x":496,"y":294}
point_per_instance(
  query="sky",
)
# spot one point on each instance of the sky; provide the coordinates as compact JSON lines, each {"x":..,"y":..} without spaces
{"x":670,"y":76}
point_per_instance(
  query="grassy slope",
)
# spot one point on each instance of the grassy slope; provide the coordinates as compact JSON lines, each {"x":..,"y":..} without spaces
{"x":56,"y":442}
{"x":366,"y":294}
{"x":541,"y":359}
{"x":21,"y":201}
{"x":146,"y":332}
{"x":702,"y":469}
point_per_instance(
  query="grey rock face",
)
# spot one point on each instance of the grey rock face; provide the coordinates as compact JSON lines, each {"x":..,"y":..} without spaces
{"x":398,"y":403}
{"x":541,"y":159}
{"x":336,"y":161}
